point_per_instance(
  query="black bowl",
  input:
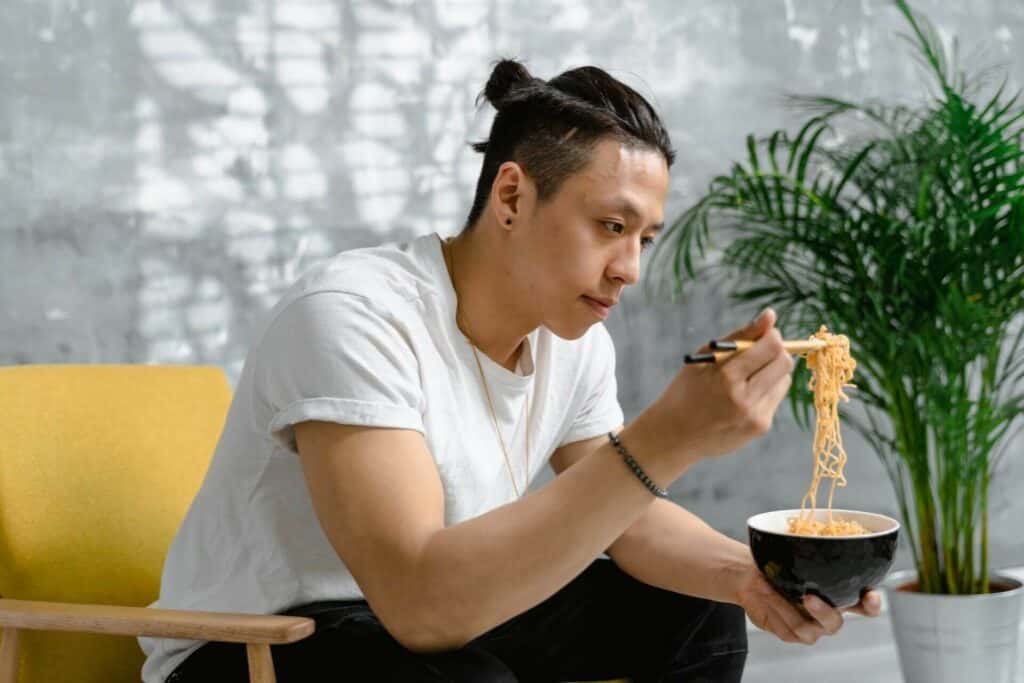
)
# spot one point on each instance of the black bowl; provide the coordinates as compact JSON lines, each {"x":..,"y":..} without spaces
{"x":838,"y":569}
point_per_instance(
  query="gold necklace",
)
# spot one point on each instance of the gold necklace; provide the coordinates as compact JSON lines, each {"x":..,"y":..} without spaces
{"x":449,"y":260}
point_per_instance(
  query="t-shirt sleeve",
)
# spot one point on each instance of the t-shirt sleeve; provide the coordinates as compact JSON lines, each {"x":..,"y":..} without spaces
{"x":599,"y":411}
{"x":334,"y":357}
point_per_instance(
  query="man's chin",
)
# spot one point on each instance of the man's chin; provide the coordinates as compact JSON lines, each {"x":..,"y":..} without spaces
{"x":569,"y":331}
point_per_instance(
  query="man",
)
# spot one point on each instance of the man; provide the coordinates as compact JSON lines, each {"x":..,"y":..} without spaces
{"x":398,"y":401}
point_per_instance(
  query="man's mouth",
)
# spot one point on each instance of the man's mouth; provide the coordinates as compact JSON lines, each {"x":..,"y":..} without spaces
{"x":600,"y":305}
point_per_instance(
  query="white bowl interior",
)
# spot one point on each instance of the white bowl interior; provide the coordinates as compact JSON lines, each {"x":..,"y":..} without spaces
{"x":777,"y":522}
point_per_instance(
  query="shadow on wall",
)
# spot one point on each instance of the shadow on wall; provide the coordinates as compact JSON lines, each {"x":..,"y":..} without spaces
{"x":222,"y":149}
{"x":169,"y":167}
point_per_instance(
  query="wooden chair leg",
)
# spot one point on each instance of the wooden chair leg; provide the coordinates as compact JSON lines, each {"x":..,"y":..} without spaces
{"x":9,"y":656}
{"x":261,"y":666}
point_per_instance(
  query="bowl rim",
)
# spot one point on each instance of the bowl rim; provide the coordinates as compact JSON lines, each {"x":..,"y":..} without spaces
{"x":752,"y":523}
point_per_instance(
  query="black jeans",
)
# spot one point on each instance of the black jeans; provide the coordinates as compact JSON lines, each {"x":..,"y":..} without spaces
{"x":603,"y":624}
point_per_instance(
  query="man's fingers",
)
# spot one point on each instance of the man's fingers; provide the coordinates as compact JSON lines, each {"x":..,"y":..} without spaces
{"x":772,"y":622}
{"x":757,"y":356}
{"x":767,"y":382}
{"x":753,"y":330}
{"x":782,"y":624}
{"x":795,"y":624}
{"x":806,"y":630}
{"x":756,"y":328}
{"x":768,"y":404}
{"x":870,"y":605}
{"x":828,"y":617}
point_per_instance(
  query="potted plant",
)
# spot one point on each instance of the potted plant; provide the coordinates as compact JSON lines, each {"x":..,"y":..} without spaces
{"x":903,"y":228}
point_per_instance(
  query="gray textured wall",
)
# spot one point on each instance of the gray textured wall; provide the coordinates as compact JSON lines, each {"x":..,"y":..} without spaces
{"x":168,"y":168}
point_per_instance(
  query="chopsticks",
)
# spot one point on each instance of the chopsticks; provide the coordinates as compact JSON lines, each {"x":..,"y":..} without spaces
{"x":722,"y":350}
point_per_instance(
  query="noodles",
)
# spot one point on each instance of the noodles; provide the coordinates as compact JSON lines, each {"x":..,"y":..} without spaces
{"x":832,"y":368}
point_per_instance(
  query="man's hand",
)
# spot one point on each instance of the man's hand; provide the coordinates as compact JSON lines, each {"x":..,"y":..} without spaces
{"x":712,"y":409}
{"x":771,"y":612}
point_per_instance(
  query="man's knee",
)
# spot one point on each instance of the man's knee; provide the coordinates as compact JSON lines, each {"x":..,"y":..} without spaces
{"x":717,"y":650}
{"x":468,"y":665}
{"x":723,"y":628}
{"x":727,"y":626}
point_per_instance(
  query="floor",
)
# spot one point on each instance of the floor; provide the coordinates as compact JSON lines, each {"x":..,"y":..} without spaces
{"x":864,"y":651}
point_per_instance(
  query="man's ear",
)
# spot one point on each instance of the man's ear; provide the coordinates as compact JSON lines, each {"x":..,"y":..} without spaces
{"x":512,"y":194}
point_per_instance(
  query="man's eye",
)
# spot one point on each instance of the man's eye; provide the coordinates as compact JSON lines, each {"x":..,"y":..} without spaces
{"x":647,"y":243}
{"x":614,"y":227}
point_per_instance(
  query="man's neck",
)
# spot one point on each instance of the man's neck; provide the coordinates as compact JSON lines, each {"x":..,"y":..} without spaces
{"x":490,"y":311}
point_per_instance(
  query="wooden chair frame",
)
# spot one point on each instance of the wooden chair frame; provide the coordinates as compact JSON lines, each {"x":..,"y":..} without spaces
{"x":257,"y":631}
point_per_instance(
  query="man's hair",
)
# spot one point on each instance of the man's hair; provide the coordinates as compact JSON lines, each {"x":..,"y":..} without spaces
{"x":550,"y":128}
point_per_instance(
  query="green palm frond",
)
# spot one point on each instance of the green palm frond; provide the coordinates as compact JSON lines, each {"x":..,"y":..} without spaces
{"x":902,"y":227}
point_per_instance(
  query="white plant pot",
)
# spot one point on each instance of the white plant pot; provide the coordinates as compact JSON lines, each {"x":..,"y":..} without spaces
{"x":956,"y":638}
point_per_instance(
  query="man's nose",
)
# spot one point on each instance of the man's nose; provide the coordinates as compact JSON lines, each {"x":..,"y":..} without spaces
{"x":626,"y":265}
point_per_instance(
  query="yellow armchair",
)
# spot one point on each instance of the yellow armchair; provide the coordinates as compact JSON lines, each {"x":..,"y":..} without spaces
{"x":98,"y":465}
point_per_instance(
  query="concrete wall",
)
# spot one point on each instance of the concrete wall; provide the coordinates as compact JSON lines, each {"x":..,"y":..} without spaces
{"x":168,"y":168}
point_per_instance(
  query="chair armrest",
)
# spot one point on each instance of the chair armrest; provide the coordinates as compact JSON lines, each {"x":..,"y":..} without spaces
{"x":149,"y":621}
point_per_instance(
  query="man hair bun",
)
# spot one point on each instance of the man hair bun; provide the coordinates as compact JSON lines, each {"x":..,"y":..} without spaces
{"x":508,"y":74}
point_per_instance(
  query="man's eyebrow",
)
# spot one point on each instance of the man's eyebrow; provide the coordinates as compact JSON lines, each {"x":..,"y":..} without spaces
{"x":627,"y":207}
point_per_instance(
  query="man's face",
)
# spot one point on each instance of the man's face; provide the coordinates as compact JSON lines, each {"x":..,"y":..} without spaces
{"x":585,"y":241}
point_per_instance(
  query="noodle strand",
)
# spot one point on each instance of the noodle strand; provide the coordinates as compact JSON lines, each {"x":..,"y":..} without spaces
{"x":831,"y":368}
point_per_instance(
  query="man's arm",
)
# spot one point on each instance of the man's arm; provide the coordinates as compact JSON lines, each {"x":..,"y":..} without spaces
{"x":671,"y":548}
{"x":379,"y":500}
{"x":668,"y":546}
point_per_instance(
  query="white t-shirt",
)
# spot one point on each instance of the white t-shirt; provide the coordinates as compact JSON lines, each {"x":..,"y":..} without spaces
{"x":367,"y":337}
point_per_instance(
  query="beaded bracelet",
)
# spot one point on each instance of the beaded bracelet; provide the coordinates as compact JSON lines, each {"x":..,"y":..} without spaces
{"x":635,"y":466}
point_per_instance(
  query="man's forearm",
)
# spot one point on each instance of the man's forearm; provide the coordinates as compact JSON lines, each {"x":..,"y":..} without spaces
{"x":671,"y":548}
{"x":472,"y":576}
